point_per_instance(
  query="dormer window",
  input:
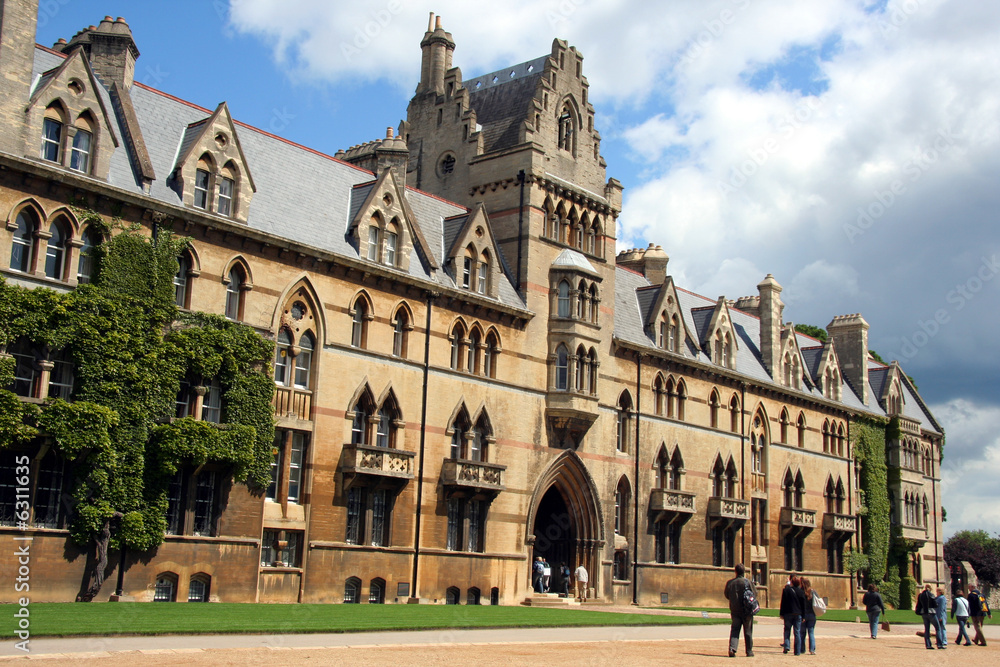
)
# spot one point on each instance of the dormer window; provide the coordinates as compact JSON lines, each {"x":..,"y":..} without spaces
{"x":482,"y":280}
{"x":373,"y":237}
{"x":51,"y":139}
{"x":201,"y":178}
{"x":467,"y":271}
{"x":80,"y":156}
{"x":225,"y":203}
{"x":391,"y":243}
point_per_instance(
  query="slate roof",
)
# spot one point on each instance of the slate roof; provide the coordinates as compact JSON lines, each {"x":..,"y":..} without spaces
{"x":302,"y":195}
{"x":501,"y":101}
{"x":634,"y":296}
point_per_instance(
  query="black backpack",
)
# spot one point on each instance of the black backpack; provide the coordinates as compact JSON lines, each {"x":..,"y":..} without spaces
{"x":750,"y":604}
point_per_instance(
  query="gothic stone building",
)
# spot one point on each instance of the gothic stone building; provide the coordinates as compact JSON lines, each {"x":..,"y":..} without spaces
{"x":467,"y":375}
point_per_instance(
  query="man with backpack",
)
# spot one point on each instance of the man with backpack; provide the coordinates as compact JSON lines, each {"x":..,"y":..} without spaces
{"x":742,"y":596}
{"x":978,"y":608}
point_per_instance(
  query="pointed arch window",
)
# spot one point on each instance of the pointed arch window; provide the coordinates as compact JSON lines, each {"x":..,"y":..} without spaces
{"x":235,"y":285}
{"x":457,"y":341}
{"x":472,"y":364}
{"x":491,"y":354}
{"x":282,"y":358}
{"x":359,"y":323}
{"x":483,"y":277}
{"x":88,"y":255}
{"x":55,"y":255}
{"x":303,"y":361}
{"x":713,"y":409}
{"x":734,"y":414}
{"x":801,"y":426}
{"x":51,"y":139}
{"x":563,"y":302}
{"x":623,"y":418}
{"x":562,"y":368}
{"x":622,"y":496}
{"x":23,"y":244}
{"x":201,"y":185}
{"x":567,"y":129}
{"x":400,"y":329}
{"x":227,"y":190}
{"x":391,"y":243}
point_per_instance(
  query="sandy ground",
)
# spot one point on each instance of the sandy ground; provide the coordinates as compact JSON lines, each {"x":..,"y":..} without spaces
{"x":838,"y":644}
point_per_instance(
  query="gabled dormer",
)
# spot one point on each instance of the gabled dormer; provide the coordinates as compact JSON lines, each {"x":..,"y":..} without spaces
{"x":893,"y":399}
{"x":828,"y":376}
{"x":211,"y":172}
{"x":473,"y":258}
{"x":719,"y":338}
{"x":384,"y":230}
{"x":792,"y":366}
{"x":67,"y":122}
{"x":665,"y":321}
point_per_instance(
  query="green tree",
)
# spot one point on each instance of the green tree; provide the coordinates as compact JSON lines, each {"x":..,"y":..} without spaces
{"x":979,"y":549}
{"x":810,"y":330}
{"x":131,"y":348}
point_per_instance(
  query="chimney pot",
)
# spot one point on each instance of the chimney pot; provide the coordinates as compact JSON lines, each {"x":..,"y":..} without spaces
{"x":437,"y":23}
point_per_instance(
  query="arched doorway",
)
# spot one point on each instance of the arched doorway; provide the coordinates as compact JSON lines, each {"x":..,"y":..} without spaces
{"x":564,"y":525}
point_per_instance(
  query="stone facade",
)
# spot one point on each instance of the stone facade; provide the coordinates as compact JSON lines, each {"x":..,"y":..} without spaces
{"x":467,"y":373}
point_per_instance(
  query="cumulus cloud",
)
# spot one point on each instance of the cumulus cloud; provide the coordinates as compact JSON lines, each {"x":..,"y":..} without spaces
{"x":971,"y":466}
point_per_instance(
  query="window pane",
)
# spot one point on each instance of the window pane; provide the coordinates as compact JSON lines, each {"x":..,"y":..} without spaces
{"x":80,"y":155}
{"x":23,"y":243}
{"x":276,"y":465}
{"x":51,"y":139}
{"x":197,"y":591}
{"x":303,"y":362}
{"x":49,"y":491}
{"x":181,"y":281}
{"x":390,"y":248}
{"x":211,"y":410}
{"x":378,"y":518}
{"x":61,"y":378}
{"x":201,"y":188}
{"x":85,"y":267}
{"x":281,"y":358}
{"x":295,"y":462}
{"x":164,"y":590}
{"x":25,"y":371}
{"x":234,"y":294}
{"x":225,"y":203}
{"x":481,"y":280}
{"x":55,"y":253}
{"x":454,"y":517}
{"x":175,"y":508}
{"x":205,"y":506}
{"x":355,"y":506}
{"x":267,"y":550}
{"x":373,"y":233}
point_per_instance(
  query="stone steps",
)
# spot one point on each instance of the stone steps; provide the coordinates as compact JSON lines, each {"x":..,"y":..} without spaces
{"x":550,"y":600}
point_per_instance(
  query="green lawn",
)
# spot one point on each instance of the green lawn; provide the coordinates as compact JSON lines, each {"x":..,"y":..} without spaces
{"x":894,"y":616}
{"x":134,"y":618}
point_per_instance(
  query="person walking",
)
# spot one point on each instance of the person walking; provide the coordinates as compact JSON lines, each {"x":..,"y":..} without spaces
{"x":791,"y":608}
{"x":735,"y":592}
{"x":874,"y":607}
{"x":926,"y":608}
{"x":960,"y":612}
{"x":978,"y":608}
{"x":546,"y":576}
{"x":563,"y":580}
{"x":537,"y":574}
{"x":940,"y":616}
{"x":809,"y":617}
{"x":582,"y":579}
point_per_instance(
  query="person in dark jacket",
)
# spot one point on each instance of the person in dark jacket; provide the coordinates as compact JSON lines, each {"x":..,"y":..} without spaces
{"x":791,"y":610}
{"x":808,"y":618}
{"x":874,"y":607}
{"x":978,"y":608}
{"x":926,"y":608}
{"x":735,"y":591}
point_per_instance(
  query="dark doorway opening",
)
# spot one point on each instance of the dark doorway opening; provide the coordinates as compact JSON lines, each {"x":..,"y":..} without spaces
{"x":555,"y":535}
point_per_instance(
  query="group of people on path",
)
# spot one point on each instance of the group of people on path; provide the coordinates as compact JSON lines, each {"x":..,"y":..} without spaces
{"x":934,"y":610}
{"x":798,"y":610}
{"x":542,"y":579}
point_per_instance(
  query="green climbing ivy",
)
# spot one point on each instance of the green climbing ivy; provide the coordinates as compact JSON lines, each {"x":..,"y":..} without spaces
{"x":868,"y":439}
{"x":131,"y":348}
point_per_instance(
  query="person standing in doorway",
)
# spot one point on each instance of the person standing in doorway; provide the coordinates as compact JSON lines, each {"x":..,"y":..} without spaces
{"x":582,"y":580}
{"x":960,"y":612}
{"x":874,"y":607}
{"x":546,"y":575}
{"x":735,"y":592}
{"x":536,"y":574}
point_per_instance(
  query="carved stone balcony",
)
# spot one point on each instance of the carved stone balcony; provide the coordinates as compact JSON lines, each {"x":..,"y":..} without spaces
{"x":797,"y":520}
{"x":570,"y":414}
{"x":840,"y":523}
{"x":671,"y":505}
{"x":472,"y":477}
{"x":917,"y":535}
{"x":376,"y":464}
{"x":292,"y":402}
{"x":727,"y":510}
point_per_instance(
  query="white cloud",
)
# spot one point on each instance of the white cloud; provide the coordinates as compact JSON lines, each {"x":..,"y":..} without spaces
{"x":971,"y":466}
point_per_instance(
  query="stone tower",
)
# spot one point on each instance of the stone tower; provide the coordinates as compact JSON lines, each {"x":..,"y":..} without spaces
{"x":18,"y":21}
{"x":850,"y":336}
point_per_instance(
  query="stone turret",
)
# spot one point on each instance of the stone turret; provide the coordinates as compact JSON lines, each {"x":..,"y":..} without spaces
{"x":18,"y":20}
{"x":379,"y":155}
{"x":650,"y":262}
{"x":770,"y":309}
{"x":110,"y":48}
{"x":436,"y":52}
{"x":850,"y":338}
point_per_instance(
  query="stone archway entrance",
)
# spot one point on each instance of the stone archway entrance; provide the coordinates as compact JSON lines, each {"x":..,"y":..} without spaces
{"x":565,"y":525}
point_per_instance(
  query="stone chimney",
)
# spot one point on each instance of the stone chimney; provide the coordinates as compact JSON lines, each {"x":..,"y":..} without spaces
{"x":748,"y":304}
{"x":18,"y":21}
{"x":651,"y":262}
{"x":436,"y":52}
{"x":850,"y":338}
{"x":770,"y":310}
{"x":110,"y":49}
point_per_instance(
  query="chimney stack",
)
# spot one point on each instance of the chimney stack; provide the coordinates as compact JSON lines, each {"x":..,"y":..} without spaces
{"x":850,"y":338}
{"x":770,"y":310}
{"x":109,"y":48}
{"x":436,"y":51}
{"x":651,"y":262}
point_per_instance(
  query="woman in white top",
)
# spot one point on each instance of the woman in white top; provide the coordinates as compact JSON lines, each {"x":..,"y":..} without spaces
{"x":960,"y":611}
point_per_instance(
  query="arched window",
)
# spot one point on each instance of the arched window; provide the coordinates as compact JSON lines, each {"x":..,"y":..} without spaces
{"x":23,"y":243}
{"x":732,"y":479}
{"x":670,"y":396}
{"x":673,"y":335}
{"x":363,"y":410}
{"x":85,"y":267}
{"x":563,"y":304}
{"x":386,"y":429}
{"x":734,"y":414}
{"x":483,"y":277}
{"x":662,"y":468}
{"x":166,"y":587}
{"x":199,"y":588}
{"x":800,"y":490}
{"x":457,"y":341}
{"x":376,"y":591}
{"x":659,"y":395}
{"x":490,"y":355}
{"x":227,"y":190}
{"x":52,"y":130}
{"x":202,"y":182}
{"x":61,"y":375}
{"x":55,"y":255}
{"x":303,"y":361}
{"x":562,"y":368}
{"x":580,"y":371}
{"x":623,"y":417}
{"x":592,"y":363}
{"x":472,"y":364}
{"x":459,"y":427}
{"x":676,"y":470}
{"x":453,"y":595}
{"x":389,"y":257}
{"x":594,"y":300}
{"x":801,"y":425}
{"x":783,"y":420}
{"x":359,"y":323}
{"x":352,"y":591}
{"x":468,"y":264}
{"x":826,"y":436}
{"x":713,"y":409}
{"x":758,"y":446}
{"x":718,"y":478}
{"x":622,"y":496}
{"x":581,"y":302}
{"x":282,"y":358}
{"x":400,"y":329}
{"x":681,"y":399}
{"x":788,"y":487}
{"x":234,"y":293}
{"x":182,"y":292}
{"x":567,"y":129}
{"x":472,"y":597}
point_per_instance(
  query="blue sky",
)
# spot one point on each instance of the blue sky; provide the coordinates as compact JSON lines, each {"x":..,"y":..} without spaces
{"x":848,"y":147}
